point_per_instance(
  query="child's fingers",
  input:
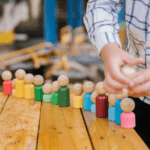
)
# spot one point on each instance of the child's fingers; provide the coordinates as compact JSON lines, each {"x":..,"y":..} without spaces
{"x":118,"y":76}
{"x":141,"y":88}
{"x":141,"y":78}
{"x":110,"y":90}
{"x":113,"y":83}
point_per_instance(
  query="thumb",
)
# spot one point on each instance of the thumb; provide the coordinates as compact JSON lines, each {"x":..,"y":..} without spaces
{"x":132,"y":60}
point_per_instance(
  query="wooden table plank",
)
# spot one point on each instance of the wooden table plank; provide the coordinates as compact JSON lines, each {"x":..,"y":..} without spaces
{"x":107,"y":135}
{"x":3,"y":99}
{"x":19,"y":122}
{"x":62,"y":128}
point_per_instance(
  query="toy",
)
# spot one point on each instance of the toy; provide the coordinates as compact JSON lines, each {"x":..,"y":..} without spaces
{"x":14,"y":86}
{"x":63,"y":91}
{"x":7,"y":84}
{"x":101,"y":101}
{"x":29,"y":87}
{"x":111,"y":110}
{"x":118,"y":110}
{"x":127,"y":117}
{"x":47,"y":89}
{"x":38,"y":81}
{"x":55,"y":87}
{"x":93,"y":99}
{"x":88,"y":88}
{"x":77,"y":99}
{"x":20,"y":83}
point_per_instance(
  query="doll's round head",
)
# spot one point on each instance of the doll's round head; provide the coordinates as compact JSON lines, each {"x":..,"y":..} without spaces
{"x":93,"y":97}
{"x":55,"y":86}
{"x":124,"y":94}
{"x":47,"y":88}
{"x":127,"y":105}
{"x":14,"y":83}
{"x":88,"y":87}
{"x":128,"y":71}
{"x":28,"y":78}
{"x":99,"y":88}
{"x":77,"y":89}
{"x":63,"y":80}
{"x":112,"y":99}
{"x":38,"y":80}
{"x":19,"y":74}
{"x":6,"y":75}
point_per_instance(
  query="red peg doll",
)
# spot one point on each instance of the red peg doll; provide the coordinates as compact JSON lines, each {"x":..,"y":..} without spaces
{"x":7,"y":84}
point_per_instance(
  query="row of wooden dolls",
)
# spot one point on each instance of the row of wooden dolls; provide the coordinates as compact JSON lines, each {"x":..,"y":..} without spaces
{"x":117,"y":107}
{"x":31,"y":87}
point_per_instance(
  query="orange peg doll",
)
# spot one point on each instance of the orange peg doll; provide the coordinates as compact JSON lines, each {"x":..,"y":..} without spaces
{"x":77,"y":99}
{"x":29,"y":87}
{"x":20,"y":83}
{"x":127,"y":117}
{"x":14,"y":86}
{"x":93,"y":99}
{"x":7,"y":84}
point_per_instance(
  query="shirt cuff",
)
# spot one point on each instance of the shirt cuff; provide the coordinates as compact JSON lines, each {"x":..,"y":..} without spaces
{"x":104,"y":38}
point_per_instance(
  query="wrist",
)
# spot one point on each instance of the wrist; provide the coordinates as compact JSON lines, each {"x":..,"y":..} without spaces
{"x":107,"y":49}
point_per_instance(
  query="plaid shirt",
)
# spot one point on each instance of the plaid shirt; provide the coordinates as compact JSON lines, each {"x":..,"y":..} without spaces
{"x":101,"y":21}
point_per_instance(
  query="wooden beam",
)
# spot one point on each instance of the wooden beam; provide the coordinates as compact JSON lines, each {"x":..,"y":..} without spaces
{"x":19,"y":122}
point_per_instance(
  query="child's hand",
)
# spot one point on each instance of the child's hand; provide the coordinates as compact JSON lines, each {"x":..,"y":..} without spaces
{"x":114,"y":58}
{"x":141,"y":84}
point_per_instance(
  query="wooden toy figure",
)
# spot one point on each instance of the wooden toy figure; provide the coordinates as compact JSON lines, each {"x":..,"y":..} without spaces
{"x":47,"y":90}
{"x":118,"y":110}
{"x":55,"y":87}
{"x":88,"y":88}
{"x":14,"y":86}
{"x":128,"y":71}
{"x":29,"y":87}
{"x":7,"y":84}
{"x":38,"y":81}
{"x":63,"y":91}
{"x":77,"y":99}
{"x":127,"y":117}
{"x":93,"y":99}
{"x":101,"y":101}
{"x":111,"y":110}
{"x":20,"y":83}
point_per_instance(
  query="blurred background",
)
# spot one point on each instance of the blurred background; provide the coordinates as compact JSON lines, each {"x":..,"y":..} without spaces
{"x":48,"y":37}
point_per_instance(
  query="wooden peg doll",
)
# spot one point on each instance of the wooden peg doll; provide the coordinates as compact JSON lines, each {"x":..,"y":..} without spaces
{"x":47,"y":90}
{"x":63,"y":91}
{"x":55,"y":87}
{"x":7,"y":84}
{"x":101,"y":101}
{"x":127,"y":117}
{"x":118,"y":110}
{"x":29,"y":87}
{"x":14,"y":86}
{"x":77,"y":99}
{"x":128,"y":71}
{"x":111,"y":110}
{"x":20,"y":83}
{"x":88,"y":88}
{"x":38,"y":82}
{"x":93,"y":99}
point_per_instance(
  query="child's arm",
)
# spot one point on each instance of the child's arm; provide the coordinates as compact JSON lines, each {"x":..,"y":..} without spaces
{"x":101,"y":21}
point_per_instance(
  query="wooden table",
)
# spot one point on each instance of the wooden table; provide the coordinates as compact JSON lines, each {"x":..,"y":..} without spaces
{"x":30,"y":125}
